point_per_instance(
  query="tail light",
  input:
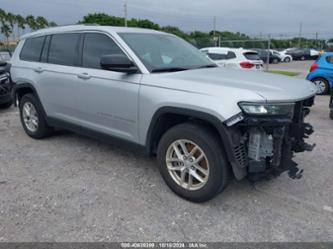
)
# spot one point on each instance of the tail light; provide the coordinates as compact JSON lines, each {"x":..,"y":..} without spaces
{"x":246,"y":64}
{"x":313,"y":67}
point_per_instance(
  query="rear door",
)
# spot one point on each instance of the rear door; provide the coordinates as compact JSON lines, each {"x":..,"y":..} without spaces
{"x":58,"y":79}
{"x":218,"y":57}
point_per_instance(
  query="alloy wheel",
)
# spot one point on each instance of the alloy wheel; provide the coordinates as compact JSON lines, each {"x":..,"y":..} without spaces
{"x":187,"y":164}
{"x":321,"y":86}
{"x":30,"y":116}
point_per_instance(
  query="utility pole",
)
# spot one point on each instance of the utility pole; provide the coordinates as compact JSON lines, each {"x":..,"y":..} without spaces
{"x":300,"y":34}
{"x":125,"y":12}
{"x":214,"y":26}
{"x":214,"y":31}
{"x":316,"y":44}
{"x":268,"y":52}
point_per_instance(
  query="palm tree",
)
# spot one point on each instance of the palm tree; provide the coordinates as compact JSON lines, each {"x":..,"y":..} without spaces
{"x":20,"y":24}
{"x":31,"y":22}
{"x":6,"y":30}
{"x":10,"y":18}
{"x":41,"y":22}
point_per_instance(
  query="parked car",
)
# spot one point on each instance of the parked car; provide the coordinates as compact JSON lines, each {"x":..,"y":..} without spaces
{"x":5,"y":85}
{"x":264,"y":54}
{"x":321,"y":73}
{"x":234,"y":58}
{"x":303,"y":53}
{"x":283,"y":56}
{"x":5,"y":56}
{"x":157,"y":91}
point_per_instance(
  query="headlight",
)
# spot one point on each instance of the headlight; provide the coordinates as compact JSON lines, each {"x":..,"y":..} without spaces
{"x":281,"y":109}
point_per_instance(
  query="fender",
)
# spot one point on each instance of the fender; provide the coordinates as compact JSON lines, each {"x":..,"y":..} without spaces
{"x":224,"y":132}
{"x":26,"y":86}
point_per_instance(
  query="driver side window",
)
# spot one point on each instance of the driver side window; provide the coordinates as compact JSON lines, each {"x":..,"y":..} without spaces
{"x":96,"y":45}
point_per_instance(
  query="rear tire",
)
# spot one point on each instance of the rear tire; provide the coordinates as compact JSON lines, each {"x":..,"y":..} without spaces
{"x":331,"y":114}
{"x":303,"y":58}
{"x":275,"y":61}
{"x":32,"y":118}
{"x":196,"y":182}
{"x":322,"y":85}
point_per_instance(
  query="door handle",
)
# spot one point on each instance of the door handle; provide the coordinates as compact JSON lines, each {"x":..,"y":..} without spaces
{"x":84,"y":76}
{"x":38,"y":70}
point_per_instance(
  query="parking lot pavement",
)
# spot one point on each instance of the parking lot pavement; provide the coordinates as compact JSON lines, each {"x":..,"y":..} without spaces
{"x":71,"y":188}
{"x":301,"y":67}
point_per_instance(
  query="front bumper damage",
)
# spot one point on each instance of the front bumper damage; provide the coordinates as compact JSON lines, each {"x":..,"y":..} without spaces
{"x":263,"y":147}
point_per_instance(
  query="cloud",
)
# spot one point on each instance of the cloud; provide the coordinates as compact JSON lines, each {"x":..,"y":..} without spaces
{"x":249,"y":16}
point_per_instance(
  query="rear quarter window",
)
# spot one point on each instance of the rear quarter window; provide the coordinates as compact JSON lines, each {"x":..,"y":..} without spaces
{"x":32,"y":49}
{"x":251,"y":56}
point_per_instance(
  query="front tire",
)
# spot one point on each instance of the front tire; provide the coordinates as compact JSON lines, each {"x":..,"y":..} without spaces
{"x":192,"y":162}
{"x":322,"y":85}
{"x":32,"y":118}
{"x":287,"y":60}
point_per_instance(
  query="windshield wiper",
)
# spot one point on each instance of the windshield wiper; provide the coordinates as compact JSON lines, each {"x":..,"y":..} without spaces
{"x":169,"y":69}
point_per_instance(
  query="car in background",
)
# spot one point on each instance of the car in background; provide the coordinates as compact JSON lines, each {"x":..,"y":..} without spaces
{"x":5,"y":56}
{"x":283,"y":56}
{"x":266,"y":55}
{"x":321,"y":73}
{"x":5,"y":85}
{"x":236,"y":58}
{"x":303,"y":53}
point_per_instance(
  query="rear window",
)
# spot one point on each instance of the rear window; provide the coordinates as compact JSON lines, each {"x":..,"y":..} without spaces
{"x":32,"y":49}
{"x":251,"y":56}
{"x":64,"y":49}
{"x":215,"y":56}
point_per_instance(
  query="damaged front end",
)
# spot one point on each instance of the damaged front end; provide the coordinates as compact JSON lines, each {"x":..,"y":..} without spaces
{"x":265,"y":138}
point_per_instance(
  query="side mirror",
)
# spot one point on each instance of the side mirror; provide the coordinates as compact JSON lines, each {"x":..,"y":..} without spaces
{"x":118,"y":63}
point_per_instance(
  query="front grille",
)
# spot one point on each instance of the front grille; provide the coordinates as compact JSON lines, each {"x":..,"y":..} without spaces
{"x":241,"y":155}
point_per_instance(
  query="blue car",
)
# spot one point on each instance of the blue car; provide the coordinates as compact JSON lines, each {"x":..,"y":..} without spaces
{"x":321,"y":73}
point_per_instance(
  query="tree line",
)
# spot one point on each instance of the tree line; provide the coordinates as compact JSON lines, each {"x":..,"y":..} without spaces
{"x":13,"y":25}
{"x":206,"y":39}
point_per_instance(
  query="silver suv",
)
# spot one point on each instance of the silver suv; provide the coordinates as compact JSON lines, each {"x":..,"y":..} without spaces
{"x":153,"y":89}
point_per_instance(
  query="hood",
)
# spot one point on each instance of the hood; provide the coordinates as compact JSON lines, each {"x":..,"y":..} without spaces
{"x":214,"y":81}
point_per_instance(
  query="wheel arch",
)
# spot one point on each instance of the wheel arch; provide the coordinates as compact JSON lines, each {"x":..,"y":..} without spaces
{"x":159,"y":125}
{"x":19,"y":90}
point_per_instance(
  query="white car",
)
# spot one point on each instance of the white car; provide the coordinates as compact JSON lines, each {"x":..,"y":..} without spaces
{"x":237,"y":58}
{"x":282,"y":55}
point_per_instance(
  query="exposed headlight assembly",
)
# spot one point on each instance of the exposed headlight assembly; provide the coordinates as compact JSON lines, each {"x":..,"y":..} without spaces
{"x":267,"y":109}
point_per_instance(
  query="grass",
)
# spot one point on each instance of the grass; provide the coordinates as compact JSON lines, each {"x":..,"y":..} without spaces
{"x":286,"y":73}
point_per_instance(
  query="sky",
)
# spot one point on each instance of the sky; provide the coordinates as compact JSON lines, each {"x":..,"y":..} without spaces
{"x":280,"y":18}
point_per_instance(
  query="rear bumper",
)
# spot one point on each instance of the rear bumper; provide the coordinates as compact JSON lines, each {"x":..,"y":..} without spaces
{"x":264,"y":147}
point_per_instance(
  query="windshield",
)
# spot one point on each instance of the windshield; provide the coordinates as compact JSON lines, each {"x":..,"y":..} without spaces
{"x":162,"y":52}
